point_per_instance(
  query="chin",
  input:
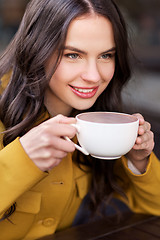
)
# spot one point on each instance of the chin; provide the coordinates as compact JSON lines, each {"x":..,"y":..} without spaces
{"x":81,"y":108}
{"x":84,"y":105}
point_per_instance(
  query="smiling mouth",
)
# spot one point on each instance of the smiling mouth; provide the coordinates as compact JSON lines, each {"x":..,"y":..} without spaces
{"x":84,"y":92}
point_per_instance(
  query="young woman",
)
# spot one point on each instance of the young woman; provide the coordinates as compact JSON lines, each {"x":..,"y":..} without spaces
{"x":68,"y":56}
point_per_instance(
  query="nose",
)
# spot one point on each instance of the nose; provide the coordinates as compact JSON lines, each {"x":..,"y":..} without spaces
{"x":91,"y":72}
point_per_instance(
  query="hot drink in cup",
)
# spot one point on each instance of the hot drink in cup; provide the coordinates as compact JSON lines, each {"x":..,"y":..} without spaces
{"x":106,"y":135}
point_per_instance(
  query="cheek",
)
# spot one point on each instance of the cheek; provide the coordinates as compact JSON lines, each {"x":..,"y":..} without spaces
{"x":65,"y":73}
{"x":59,"y":77}
{"x":108,"y":73}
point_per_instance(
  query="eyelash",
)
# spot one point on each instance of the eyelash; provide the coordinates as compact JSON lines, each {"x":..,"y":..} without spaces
{"x":108,"y":55}
{"x":70,"y":55}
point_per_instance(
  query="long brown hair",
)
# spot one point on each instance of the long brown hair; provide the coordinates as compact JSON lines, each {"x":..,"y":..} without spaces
{"x":42,"y":32}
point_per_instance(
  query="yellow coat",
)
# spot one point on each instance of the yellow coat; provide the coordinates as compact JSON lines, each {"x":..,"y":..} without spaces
{"x":47,"y":202}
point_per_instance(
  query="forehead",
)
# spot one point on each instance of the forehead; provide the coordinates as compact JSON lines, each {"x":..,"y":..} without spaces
{"x":90,"y":29}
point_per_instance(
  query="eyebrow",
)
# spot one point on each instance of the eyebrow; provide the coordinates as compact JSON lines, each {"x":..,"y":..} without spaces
{"x":113,"y":49}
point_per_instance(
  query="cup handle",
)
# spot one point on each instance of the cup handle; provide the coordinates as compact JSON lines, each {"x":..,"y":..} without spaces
{"x":77,"y":146}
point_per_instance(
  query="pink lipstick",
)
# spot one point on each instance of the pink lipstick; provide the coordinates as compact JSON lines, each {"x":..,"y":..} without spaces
{"x":84,"y":92}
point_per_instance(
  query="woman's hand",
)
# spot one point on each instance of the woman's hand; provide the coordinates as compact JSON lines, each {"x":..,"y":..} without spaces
{"x":45,"y":144}
{"x":143,"y":146}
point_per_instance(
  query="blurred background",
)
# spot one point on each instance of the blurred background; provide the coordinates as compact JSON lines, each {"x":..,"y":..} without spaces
{"x":142,"y":94}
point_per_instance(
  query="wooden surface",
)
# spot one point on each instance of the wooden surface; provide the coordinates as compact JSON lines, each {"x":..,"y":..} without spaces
{"x":131,"y":227}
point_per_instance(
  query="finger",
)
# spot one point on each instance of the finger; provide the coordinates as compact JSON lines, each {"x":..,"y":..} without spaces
{"x":48,"y":131}
{"x":64,"y":130}
{"x":140,"y":117}
{"x":62,"y":119}
{"x":148,"y":146}
{"x":144,"y":128}
{"x":60,"y":126}
{"x":58,"y":143}
{"x":63,"y":145}
{"x":145,"y":141}
{"x":57,"y":154}
{"x":145,"y":137}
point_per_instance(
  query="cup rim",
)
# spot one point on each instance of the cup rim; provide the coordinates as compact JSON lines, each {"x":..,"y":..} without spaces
{"x":134,"y":118}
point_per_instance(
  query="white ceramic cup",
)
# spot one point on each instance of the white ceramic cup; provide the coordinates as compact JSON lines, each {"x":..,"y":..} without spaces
{"x":106,"y":135}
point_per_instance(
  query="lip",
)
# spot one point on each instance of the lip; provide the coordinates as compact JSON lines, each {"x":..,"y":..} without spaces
{"x":84,"y":92}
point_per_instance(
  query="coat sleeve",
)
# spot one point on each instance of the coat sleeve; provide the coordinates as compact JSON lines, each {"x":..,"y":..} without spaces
{"x":142,"y":191}
{"x":18,"y":173}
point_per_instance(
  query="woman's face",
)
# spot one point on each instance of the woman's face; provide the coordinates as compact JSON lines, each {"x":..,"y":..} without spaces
{"x":86,"y":68}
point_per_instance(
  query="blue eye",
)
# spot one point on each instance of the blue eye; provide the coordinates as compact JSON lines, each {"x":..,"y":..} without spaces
{"x":72,"y":55}
{"x":106,"y":56}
